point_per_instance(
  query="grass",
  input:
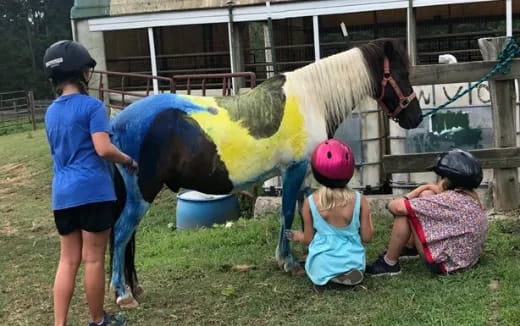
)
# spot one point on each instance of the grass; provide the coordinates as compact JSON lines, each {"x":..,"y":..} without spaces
{"x":12,"y":127}
{"x":187,"y":278}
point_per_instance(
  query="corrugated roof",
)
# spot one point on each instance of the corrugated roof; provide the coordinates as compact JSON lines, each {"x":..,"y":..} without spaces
{"x":103,"y":8}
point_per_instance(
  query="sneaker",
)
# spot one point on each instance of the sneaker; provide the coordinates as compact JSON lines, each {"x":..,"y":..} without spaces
{"x":408,"y":253}
{"x":380,"y":267}
{"x":111,"y":320}
{"x":352,"y":277}
{"x":117,"y":320}
{"x":105,"y":322}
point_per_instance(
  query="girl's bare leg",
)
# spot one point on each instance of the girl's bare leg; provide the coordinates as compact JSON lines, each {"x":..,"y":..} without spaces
{"x":70,"y":259}
{"x":400,"y":236}
{"x":94,"y":246}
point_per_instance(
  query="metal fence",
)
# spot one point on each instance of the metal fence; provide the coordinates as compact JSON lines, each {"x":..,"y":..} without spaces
{"x":119,"y":89}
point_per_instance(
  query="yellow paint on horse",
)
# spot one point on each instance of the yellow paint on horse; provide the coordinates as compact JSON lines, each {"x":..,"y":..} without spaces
{"x":244,"y":156}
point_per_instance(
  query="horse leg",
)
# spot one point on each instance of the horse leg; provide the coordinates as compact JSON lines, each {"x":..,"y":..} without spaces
{"x":292,"y":181}
{"x":134,"y":209}
{"x":304,"y":193}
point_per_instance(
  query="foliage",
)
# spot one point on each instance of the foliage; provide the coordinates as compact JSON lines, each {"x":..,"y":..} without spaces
{"x":27,"y":28}
{"x":187,"y":279}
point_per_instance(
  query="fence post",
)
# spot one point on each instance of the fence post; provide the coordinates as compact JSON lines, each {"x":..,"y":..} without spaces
{"x":30,"y":107}
{"x":506,"y":194}
{"x":371,"y":146}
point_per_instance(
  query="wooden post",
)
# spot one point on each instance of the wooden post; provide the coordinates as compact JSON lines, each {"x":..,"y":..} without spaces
{"x":236,"y":55}
{"x":398,"y":146}
{"x":271,"y":37}
{"x":384,"y":132}
{"x":30,"y":107}
{"x":506,"y":192}
{"x":370,"y":138}
{"x":411,"y":34}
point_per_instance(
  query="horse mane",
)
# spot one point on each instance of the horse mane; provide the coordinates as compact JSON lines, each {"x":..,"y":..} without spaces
{"x":333,"y":86}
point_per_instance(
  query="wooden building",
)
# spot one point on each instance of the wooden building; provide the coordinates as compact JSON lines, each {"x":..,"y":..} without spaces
{"x":193,"y":35}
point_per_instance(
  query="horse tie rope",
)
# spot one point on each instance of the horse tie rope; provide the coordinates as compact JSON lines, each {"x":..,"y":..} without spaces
{"x":503,"y":66}
{"x":404,"y":101}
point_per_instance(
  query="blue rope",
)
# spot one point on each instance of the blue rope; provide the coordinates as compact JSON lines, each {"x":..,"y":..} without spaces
{"x":503,"y":66}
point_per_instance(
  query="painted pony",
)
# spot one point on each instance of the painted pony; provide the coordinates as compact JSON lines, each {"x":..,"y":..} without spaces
{"x":219,"y":145}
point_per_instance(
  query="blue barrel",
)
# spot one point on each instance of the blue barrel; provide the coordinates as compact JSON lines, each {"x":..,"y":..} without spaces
{"x":195,"y":209}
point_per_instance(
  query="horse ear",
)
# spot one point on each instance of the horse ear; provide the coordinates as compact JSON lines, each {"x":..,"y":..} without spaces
{"x":388,"y":47}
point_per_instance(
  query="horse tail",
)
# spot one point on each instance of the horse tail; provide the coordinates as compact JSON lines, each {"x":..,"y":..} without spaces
{"x":129,"y":267}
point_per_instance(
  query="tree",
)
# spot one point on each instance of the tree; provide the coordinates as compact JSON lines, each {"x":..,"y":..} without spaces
{"x":27,"y":28}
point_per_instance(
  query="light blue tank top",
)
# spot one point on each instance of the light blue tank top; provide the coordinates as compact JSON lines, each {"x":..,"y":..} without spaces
{"x":334,"y":251}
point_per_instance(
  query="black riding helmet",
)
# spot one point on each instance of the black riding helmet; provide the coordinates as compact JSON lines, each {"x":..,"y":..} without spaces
{"x":66,"y":59}
{"x":460,"y":167}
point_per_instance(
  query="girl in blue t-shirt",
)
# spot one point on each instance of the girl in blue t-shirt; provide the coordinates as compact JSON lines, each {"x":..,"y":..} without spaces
{"x":336,"y":220}
{"x":83,"y":195}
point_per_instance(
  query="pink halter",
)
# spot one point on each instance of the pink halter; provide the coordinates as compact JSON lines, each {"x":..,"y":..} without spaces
{"x":404,"y":101}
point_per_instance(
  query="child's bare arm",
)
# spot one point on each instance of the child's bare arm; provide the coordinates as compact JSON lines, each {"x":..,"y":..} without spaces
{"x":366,"y":228}
{"x":397,"y":207}
{"x":417,"y":191}
{"x":306,"y":236}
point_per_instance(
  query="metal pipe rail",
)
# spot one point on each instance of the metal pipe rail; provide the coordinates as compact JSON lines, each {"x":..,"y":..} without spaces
{"x":226,"y":81}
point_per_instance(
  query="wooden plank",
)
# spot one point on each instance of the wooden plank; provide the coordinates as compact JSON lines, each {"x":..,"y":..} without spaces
{"x":503,"y":100}
{"x":30,"y":101}
{"x":458,"y":73}
{"x":420,"y":162}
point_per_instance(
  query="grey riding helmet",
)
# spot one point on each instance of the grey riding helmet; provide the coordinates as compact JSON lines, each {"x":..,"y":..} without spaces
{"x":66,"y":59}
{"x":460,"y":167}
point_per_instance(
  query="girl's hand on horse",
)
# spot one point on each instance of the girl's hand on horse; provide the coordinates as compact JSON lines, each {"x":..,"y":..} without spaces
{"x":294,"y":235}
{"x":131,"y":166}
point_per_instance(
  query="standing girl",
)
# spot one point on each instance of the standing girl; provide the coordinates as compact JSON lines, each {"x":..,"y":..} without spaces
{"x":83,"y":194}
{"x":336,"y":220}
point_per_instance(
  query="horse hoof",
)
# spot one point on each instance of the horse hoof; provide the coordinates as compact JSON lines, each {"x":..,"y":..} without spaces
{"x":138,"y":291}
{"x":291,"y":267}
{"x":280,"y":263}
{"x":127,"y":302}
{"x":297,"y":271}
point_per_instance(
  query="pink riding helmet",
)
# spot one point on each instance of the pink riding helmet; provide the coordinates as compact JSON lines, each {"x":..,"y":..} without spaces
{"x":333,"y":163}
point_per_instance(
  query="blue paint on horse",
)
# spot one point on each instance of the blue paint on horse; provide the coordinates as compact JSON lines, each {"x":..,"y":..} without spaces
{"x":129,"y":129}
{"x":292,"y":182}
{"x":130,"y":126}
{"x":134,"y":209}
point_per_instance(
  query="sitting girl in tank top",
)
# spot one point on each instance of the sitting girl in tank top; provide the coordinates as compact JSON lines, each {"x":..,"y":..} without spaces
{"x":336,"y":220}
